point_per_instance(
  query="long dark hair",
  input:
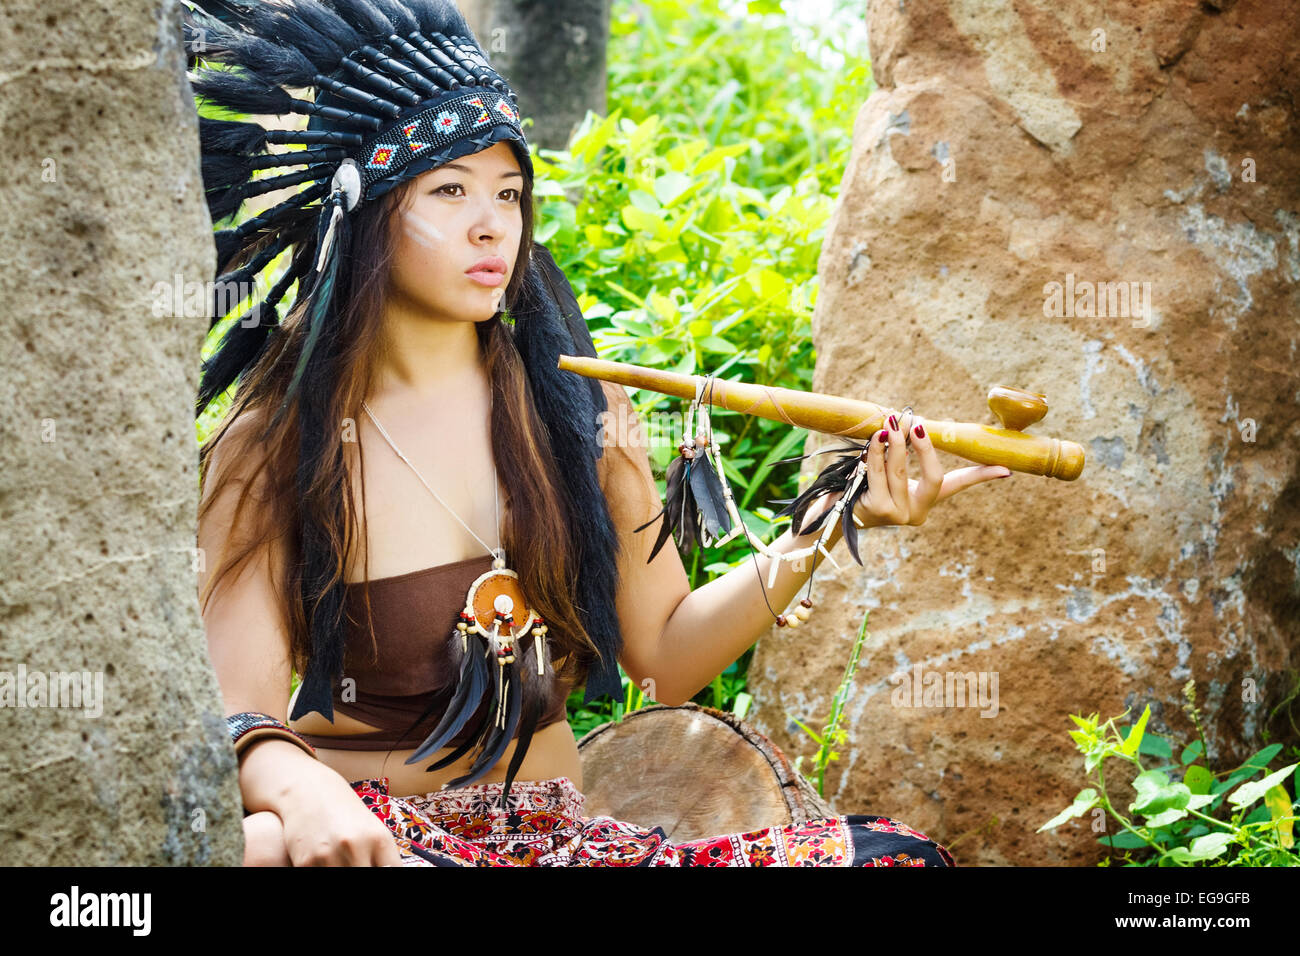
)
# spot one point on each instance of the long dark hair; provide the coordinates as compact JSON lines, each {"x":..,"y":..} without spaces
{"x":317,"y":516}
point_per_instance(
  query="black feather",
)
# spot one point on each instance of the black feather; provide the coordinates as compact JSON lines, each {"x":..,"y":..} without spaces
{"x":707,"y":494}
{"x":274,"y":61}
{"x":401,"y":19}
{"x":833,"y":479}
{"x":557,"y":284}
{"x":535,"y":695}
{"x":243,"y":345}
{"x":437,"y":16}
{"x":243,"y":92}
{"x":230,"y":136}
{"x":223,"y":170}
{"x":498,"y":737}
{"x":290,"y":217}
{"x":484,"y":665}
{"x":309,"y":27}
{"x":666,"y":528}
{"x":465,"y":700}
{"x":362,"y":17}
{"x":227,"y":284}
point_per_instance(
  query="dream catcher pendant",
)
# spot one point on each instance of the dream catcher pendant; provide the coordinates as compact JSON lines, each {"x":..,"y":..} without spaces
{"x":496,"y":610}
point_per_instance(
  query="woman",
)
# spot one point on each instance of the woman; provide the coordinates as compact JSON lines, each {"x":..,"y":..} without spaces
{"x":392,"y":440}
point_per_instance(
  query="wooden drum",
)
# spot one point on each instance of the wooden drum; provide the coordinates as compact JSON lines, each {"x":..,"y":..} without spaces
{"x":694,"y":771}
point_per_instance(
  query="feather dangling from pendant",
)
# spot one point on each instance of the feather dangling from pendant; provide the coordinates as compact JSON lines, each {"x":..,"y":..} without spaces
{"x":498,"y":737}
{"x":693,"y":494}
{"x":464,"y":702}
{"x":535,"y":693}
{"x":848,"y":526}
{"x":480,"y":666}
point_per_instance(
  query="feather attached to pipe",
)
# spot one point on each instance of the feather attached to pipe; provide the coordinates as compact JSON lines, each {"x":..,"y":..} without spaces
{"x":833,"y":479}
{"x":693,"y":503}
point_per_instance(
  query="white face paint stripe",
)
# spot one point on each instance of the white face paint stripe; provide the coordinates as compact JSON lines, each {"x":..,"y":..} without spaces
{"x":421,"y":230}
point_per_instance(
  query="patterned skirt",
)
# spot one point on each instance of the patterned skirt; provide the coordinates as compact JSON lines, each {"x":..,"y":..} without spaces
{"x":545,"y":826}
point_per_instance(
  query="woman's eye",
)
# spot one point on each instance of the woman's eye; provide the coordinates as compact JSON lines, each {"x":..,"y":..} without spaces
{"x":442,"y":189}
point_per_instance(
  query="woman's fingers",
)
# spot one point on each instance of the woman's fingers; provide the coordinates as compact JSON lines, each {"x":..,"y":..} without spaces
{"x":963,"y":478}
{"x":931,"y":484}
{"x":896,"y":471}
{"x":877,"y":497}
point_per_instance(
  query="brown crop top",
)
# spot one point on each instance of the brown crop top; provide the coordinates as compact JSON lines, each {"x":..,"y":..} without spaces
{"x":414,"y":616}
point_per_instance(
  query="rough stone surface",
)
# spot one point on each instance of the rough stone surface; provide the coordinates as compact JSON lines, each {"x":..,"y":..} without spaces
{"x":101,"y":200}
{"x":553,"y":56}
{"x":1004,"y":150}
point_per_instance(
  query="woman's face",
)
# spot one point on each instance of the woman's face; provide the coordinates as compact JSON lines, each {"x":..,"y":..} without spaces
{"x":453,"y":218}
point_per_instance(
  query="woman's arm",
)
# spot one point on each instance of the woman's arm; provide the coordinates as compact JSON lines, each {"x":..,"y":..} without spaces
{"x":681,"y":639}
{"x":243,"y":620}
{"x":674,"y":640}
{"x":322,"y":820}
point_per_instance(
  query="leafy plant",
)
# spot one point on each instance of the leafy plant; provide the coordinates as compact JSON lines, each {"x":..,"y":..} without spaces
{"x":1179,"y":825}
{"x":832,"y":735}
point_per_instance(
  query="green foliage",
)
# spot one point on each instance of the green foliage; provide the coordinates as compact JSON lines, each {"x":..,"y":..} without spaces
{"x":690,"y":220}
{"x":1180,"y":826}
{"x":832,"y":734}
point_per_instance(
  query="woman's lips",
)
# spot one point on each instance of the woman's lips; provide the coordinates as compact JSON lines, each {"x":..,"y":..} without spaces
{"x":487,"y":278}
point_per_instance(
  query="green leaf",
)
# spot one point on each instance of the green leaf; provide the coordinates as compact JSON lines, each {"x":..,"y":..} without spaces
{"x":1086,"y":723}
{"x":1172,"y":815}
{"x":741,"y":707}
{"x":1191,"y":751}
{"x":1134,"y":739}
{"x":1198,"y":779}
{"x":1153,"y":745}
{"x":1155,"y":793}
{"x":1279,"y":806}
{"x":1202,"y":848}
{"x":1248,"y":793}
{"x":644,"y":201}
{"x":1123,"y":841}
{"x":715,"y":344}
{"x":670,"y":186}
{"x":1085,"y":801}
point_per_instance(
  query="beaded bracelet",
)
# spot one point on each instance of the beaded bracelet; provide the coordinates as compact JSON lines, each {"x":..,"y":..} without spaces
{"x":250,"y":726}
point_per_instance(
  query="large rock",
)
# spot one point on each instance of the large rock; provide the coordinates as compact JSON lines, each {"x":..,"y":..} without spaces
{"x":100,"y":204}
{"x":1007,"y":148}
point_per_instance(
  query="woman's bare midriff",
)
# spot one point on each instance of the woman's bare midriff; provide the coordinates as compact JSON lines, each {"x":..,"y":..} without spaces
{"x":551,"y":753}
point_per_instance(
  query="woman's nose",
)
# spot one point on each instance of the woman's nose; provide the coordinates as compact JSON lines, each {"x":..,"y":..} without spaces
{"x":490,"y":222}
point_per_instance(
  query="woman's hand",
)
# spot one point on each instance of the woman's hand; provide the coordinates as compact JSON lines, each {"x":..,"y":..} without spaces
{"x":327,"y":824}
{"x":893,"y":498}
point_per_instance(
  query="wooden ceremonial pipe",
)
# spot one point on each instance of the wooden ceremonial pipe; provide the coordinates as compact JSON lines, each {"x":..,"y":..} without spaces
{"x":1008,"y":446}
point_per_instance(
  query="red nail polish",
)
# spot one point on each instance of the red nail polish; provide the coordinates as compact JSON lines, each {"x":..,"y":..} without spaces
{"x":920,"y":431}
{"x":882,"y":437}
{"x":893,"y":423}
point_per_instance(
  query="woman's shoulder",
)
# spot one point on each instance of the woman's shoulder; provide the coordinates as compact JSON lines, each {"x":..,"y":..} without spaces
{"x":237,"y":455}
